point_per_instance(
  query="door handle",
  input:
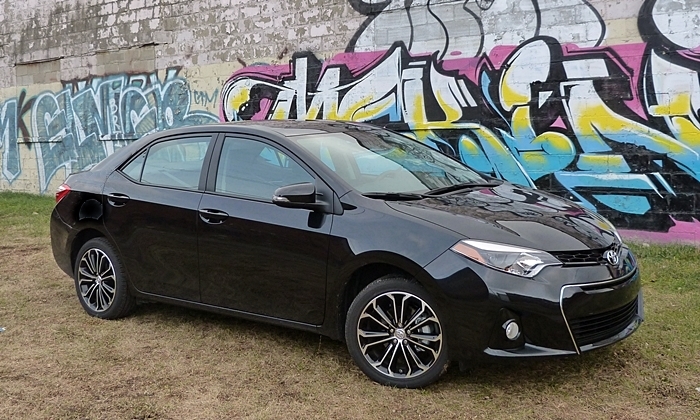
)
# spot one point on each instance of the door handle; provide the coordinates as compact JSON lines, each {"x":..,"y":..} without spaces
{"x":212,"y":216}
{"x":117,"y":199}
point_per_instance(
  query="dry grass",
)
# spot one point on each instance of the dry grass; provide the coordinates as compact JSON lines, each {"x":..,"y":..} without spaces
{"x":172,"y":363}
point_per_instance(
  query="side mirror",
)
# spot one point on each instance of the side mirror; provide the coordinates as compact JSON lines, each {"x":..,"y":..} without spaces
{"x":298,"y":196}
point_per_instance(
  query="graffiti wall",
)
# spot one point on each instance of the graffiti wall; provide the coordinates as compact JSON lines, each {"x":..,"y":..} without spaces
{"x":83,"y":122}
{"x":594,"y":100}
{"x":547,"y":105}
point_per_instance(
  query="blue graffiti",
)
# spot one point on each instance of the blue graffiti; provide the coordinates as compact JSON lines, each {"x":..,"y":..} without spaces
{"x":89,"y":119}
{"x":11,"y":166}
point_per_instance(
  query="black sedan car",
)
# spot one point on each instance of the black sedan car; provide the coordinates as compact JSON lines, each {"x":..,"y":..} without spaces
{"x":350,"y":231}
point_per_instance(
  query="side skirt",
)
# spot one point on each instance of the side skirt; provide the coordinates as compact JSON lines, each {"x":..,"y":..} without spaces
{"x":228,"y":312}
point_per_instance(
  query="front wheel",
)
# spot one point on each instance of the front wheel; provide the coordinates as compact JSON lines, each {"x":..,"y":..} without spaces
{"x":395,"y":334}
{"x":100,"y":282}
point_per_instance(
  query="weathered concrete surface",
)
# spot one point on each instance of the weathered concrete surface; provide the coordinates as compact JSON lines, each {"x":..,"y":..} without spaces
{"x":181,"y":33}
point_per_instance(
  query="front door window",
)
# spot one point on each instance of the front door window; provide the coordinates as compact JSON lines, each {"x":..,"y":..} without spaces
{"x":255,"y":169}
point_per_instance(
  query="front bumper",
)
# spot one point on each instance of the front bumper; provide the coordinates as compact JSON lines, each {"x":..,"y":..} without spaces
{"x":561,"y":311}
{"x":593,"y":314}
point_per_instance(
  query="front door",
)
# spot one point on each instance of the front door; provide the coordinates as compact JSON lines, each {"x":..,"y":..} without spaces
{"x":255,"y":256}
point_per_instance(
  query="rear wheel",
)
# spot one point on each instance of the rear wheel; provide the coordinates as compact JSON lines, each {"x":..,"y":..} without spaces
{"x":100,"y":282}
{"x":395,"y":334}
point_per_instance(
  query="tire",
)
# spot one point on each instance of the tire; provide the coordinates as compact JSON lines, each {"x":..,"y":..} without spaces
{"x":386,"y":345}
{"x":100,"y":283}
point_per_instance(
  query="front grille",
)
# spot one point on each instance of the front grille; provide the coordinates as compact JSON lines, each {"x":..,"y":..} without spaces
{"x":584,"y":257}
{"x":593,"y":328}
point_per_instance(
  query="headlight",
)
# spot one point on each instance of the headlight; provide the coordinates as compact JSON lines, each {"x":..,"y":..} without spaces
{"x":523,"y":262}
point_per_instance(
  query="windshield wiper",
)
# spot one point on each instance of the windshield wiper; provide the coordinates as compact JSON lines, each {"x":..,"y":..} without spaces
{"x":394,"y":196}
{"x":461,"y":186}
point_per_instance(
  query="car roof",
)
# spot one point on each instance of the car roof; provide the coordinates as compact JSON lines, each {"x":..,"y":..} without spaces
{"x":287,"y":128}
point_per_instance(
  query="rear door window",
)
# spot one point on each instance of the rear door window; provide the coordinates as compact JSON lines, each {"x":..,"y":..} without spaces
{"x":133,"y":169}
{"x":172,"y":163}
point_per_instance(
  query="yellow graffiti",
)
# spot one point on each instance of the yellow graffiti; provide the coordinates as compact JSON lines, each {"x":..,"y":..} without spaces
{"x":366,"y":109}
{"x":679,"y":105}
{"x":592,"y":119}
{"x":280,"y":113}
{"x":529,"y":64}
{"x":676,"y":87}
{"x":469,"y":147}
{"x":510,"y":96}
{"x":686,"y":132}
{"x":451,"y":113}
{"x":553,"y":146}
{"x":682,"y":127}
{"x":241,"y":97}
{"x":520,"y":123}
{"x":418,"y":118}
{"x":502,"y":160}
{"x":597,"y":162}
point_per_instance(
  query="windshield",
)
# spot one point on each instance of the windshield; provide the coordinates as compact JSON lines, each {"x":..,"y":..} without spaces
{"x":378,"y":161}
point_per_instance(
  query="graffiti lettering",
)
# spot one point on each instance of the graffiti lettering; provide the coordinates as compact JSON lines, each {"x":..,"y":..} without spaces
{"x":203,"y":98}
{"x":562,"y":118}
{"x":8,"y":140}
{"x":88,"y":119}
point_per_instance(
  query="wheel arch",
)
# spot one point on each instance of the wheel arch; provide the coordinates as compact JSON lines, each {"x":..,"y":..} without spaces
{"x":371,"y":267}
{"x":80,"y":239}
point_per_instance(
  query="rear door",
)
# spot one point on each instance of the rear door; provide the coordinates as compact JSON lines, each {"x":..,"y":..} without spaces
{"x":255,"y":256}
{"x":151,"y":213}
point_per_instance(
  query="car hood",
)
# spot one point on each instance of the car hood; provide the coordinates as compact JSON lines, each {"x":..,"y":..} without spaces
{"x":514,"y":215}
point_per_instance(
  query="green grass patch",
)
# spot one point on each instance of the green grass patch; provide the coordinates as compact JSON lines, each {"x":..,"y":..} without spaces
{"x":25,"y":214}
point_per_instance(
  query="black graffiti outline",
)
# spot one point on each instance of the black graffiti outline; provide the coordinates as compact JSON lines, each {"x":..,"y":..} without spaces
{"x":442,"y":25}
{"x":650,"y":32}
{"x":601,"y":21}
{"x":22,"y":109}
{"x":484,"y":4}
{"x":479,"y":23}
{"x":371,"y":10}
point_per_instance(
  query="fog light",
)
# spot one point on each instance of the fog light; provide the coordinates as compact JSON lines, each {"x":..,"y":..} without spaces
{"x":512,"y":329}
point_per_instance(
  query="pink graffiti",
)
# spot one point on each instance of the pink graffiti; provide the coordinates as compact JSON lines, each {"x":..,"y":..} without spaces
{"x":682,"y":232}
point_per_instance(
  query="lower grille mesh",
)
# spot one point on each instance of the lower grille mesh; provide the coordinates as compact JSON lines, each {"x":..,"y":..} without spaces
{"x":594,"y":328}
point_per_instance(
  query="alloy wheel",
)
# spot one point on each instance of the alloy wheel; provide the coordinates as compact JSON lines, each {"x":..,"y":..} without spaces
{"x":399,"y":335}
{"x":97,"y":280}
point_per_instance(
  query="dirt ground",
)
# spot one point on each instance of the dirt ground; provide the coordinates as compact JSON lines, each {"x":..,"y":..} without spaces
{"x":165,"y":362}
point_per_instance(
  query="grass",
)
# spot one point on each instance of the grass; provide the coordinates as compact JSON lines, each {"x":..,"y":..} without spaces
{"x":172,"y":363}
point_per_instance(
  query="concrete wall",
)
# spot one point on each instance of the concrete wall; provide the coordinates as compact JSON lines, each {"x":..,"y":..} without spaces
{"x":595,"y":100}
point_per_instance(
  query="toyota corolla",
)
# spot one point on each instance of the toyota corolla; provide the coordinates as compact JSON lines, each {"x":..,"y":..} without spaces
{"x":350,"y":231}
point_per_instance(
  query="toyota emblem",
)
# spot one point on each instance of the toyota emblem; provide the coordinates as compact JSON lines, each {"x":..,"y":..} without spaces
{"x":611,"y":256}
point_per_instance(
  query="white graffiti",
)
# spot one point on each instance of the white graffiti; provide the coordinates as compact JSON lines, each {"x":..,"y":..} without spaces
{"x":677,"y":21}
{"x":460,"y":28}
